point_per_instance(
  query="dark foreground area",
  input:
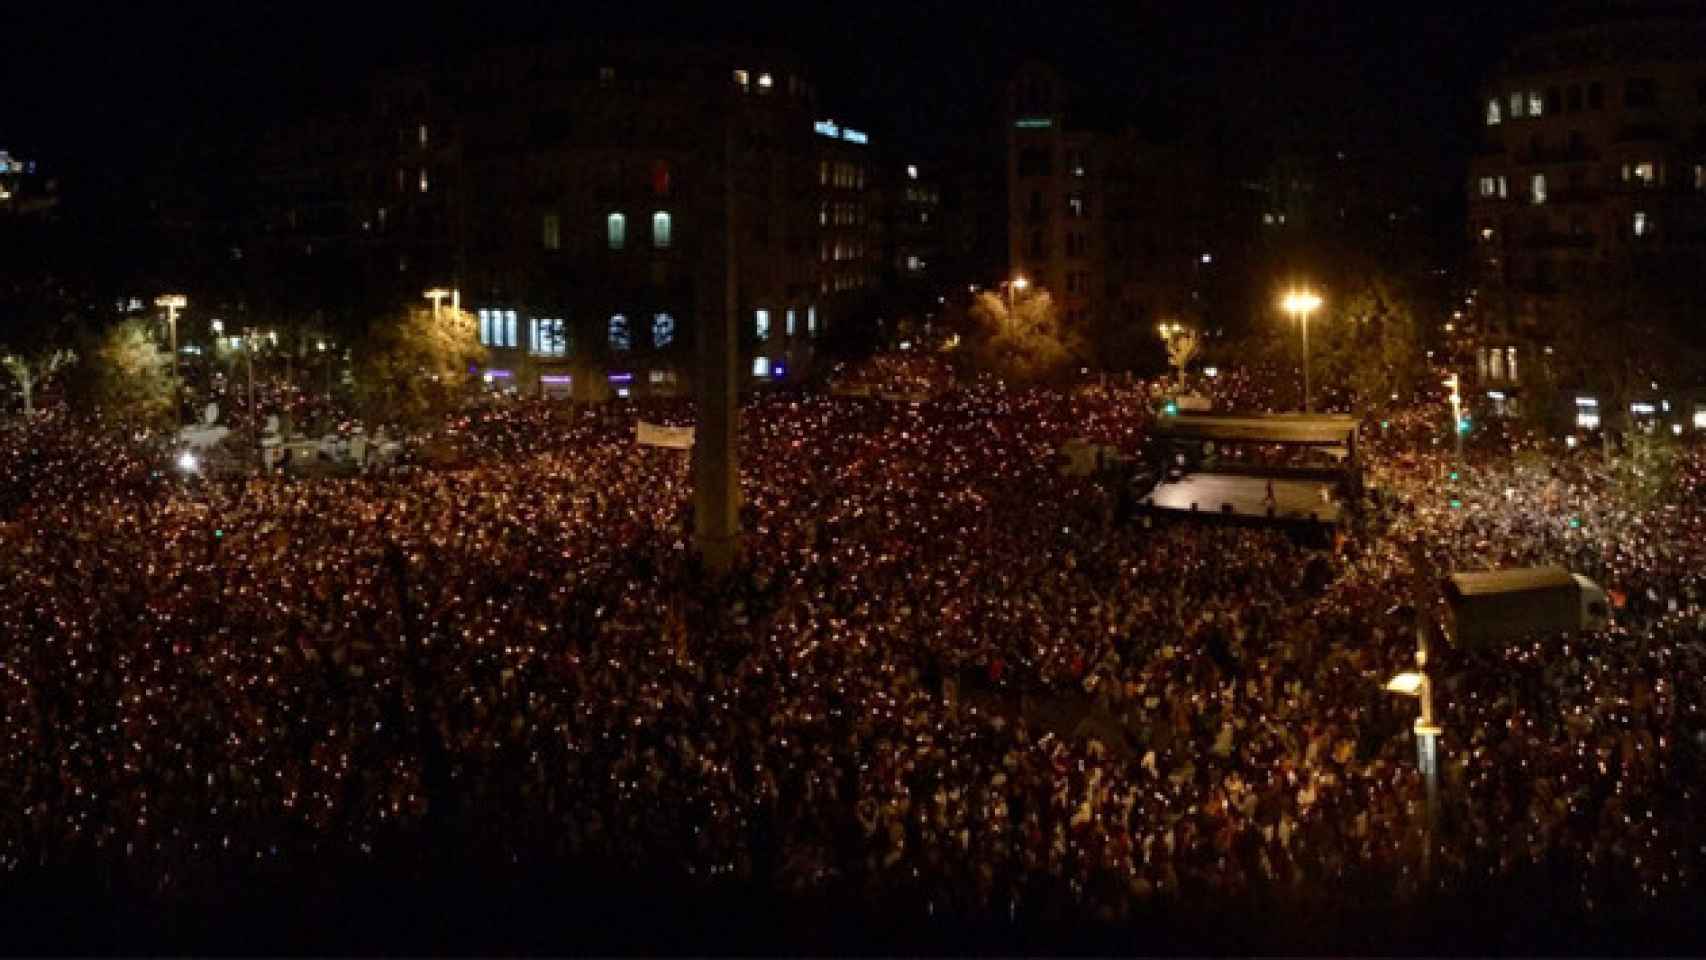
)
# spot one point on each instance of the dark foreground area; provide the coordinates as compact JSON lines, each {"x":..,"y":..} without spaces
{"x":446,"y":908}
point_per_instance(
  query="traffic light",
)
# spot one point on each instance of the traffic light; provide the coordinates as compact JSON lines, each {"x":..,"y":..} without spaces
{"x":1463,"y":425}
{"x":1171,"y":409}
{"x":1456,"y":504}
{"x":1453,"y":475}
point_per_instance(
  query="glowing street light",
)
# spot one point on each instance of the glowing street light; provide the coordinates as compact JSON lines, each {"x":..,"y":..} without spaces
{"x":1416,"y":683}
{"x":173,"y":302}
{"x":437,"y":295}
{"x":1300,"y":304}
{"x":1017,"y":283}
{"x":1408,"y":683}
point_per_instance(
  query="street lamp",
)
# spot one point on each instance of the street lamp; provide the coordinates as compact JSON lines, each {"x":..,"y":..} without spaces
{"x":1300,"y":304}
{"x":1017,"y":283}
{"x":1455,"y":386}
{"x":173,"y":302}
{"x":1416,"y":683}
{"x":437,"y":295}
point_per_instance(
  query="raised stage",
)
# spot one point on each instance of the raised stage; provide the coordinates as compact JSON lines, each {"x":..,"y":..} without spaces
{"x":1295,"y":501}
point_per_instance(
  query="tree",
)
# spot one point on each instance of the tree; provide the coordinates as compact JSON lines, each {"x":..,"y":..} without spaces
{"x":1021,"y":339}
{"x":1182,"y":348}
{"x":38,"y":320}
{"x":124,"y":374}
{"x":32,"y":370}
{"x":416,"y":366}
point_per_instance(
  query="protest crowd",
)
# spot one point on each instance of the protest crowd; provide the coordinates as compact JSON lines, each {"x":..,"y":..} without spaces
{"x":942,"y":676}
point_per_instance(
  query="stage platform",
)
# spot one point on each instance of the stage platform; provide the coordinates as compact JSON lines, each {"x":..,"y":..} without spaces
{"x":1295,"y":501}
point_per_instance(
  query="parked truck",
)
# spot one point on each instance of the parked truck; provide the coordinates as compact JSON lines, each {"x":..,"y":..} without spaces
{"x":1497,"y":606}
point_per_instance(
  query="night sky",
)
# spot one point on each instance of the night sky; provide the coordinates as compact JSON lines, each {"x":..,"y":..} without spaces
{"x":100,"y":80}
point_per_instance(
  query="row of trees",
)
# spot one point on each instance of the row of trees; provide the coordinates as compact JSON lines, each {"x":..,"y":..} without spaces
{"x":407,"y":367}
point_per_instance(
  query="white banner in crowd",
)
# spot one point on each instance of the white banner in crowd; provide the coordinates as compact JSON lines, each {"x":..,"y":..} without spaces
{"x":654,"y":435}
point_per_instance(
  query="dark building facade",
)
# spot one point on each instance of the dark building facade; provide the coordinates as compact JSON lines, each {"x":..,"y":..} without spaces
{"x":1592,"y":160}
{"x":1120,"y":230}
{"x":571,"y":201}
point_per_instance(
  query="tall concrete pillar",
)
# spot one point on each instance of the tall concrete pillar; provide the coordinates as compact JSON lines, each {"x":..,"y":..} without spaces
{"x":716,"y":380}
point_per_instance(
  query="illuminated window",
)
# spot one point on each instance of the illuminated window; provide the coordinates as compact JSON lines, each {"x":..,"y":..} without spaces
{"x":497,"y":328}
{"x":423,"y":134}
{"x":789,"y":322}
{"x":549,"y":336}
{"x":1642,"y":226}
{"x":1700,"y":416}
{"x":811,"y":320}
{"x":1537,"y":189}
{"x":743,"y":80}
{"x":423,"y":180}
{"x":1494,"y":115}
{"x":823,"y":173}
{"x":1510,"y":363}
{"x":1503,"y":191}
{"x":621,"y":337}
{"x":551,"y":232}
{"x":765,"y":83}
{"x":823,"y":214}
{"x":1587,"y":413}
{"x":1075,"y":204}
{"x":1489,"y":186}
{"x":660,"y":230}
{"x":616,"y":230}
{"x":1518,"y":105}
{"x":1536,"y":104}
{"x":1700,"y":176}
{"x":761,"y":366}
{"x":761,"y":324}
{"x":663,"y":330}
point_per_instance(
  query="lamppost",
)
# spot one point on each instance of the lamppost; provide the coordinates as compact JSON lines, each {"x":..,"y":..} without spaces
{"x":322,"y":347}
{"x":173,"y":302}
{"x":1454,"y":385}
{"x":437,"y":295}
{"x":1017,"y":283}
{"x":249,"y":339}
{"x":1300,"y":304}
{"x":1418,"y":684}
{"x":1168,"y":329}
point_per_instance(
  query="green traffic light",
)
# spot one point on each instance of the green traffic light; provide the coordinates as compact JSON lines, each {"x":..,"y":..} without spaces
{"x":1171,"y":409}
{"x":1456,"y":504}
{"x":1575,"y":523}
{"x":219,"y":534}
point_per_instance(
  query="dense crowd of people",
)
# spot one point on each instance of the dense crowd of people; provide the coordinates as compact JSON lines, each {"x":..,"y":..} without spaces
{"x":942,"y":675}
